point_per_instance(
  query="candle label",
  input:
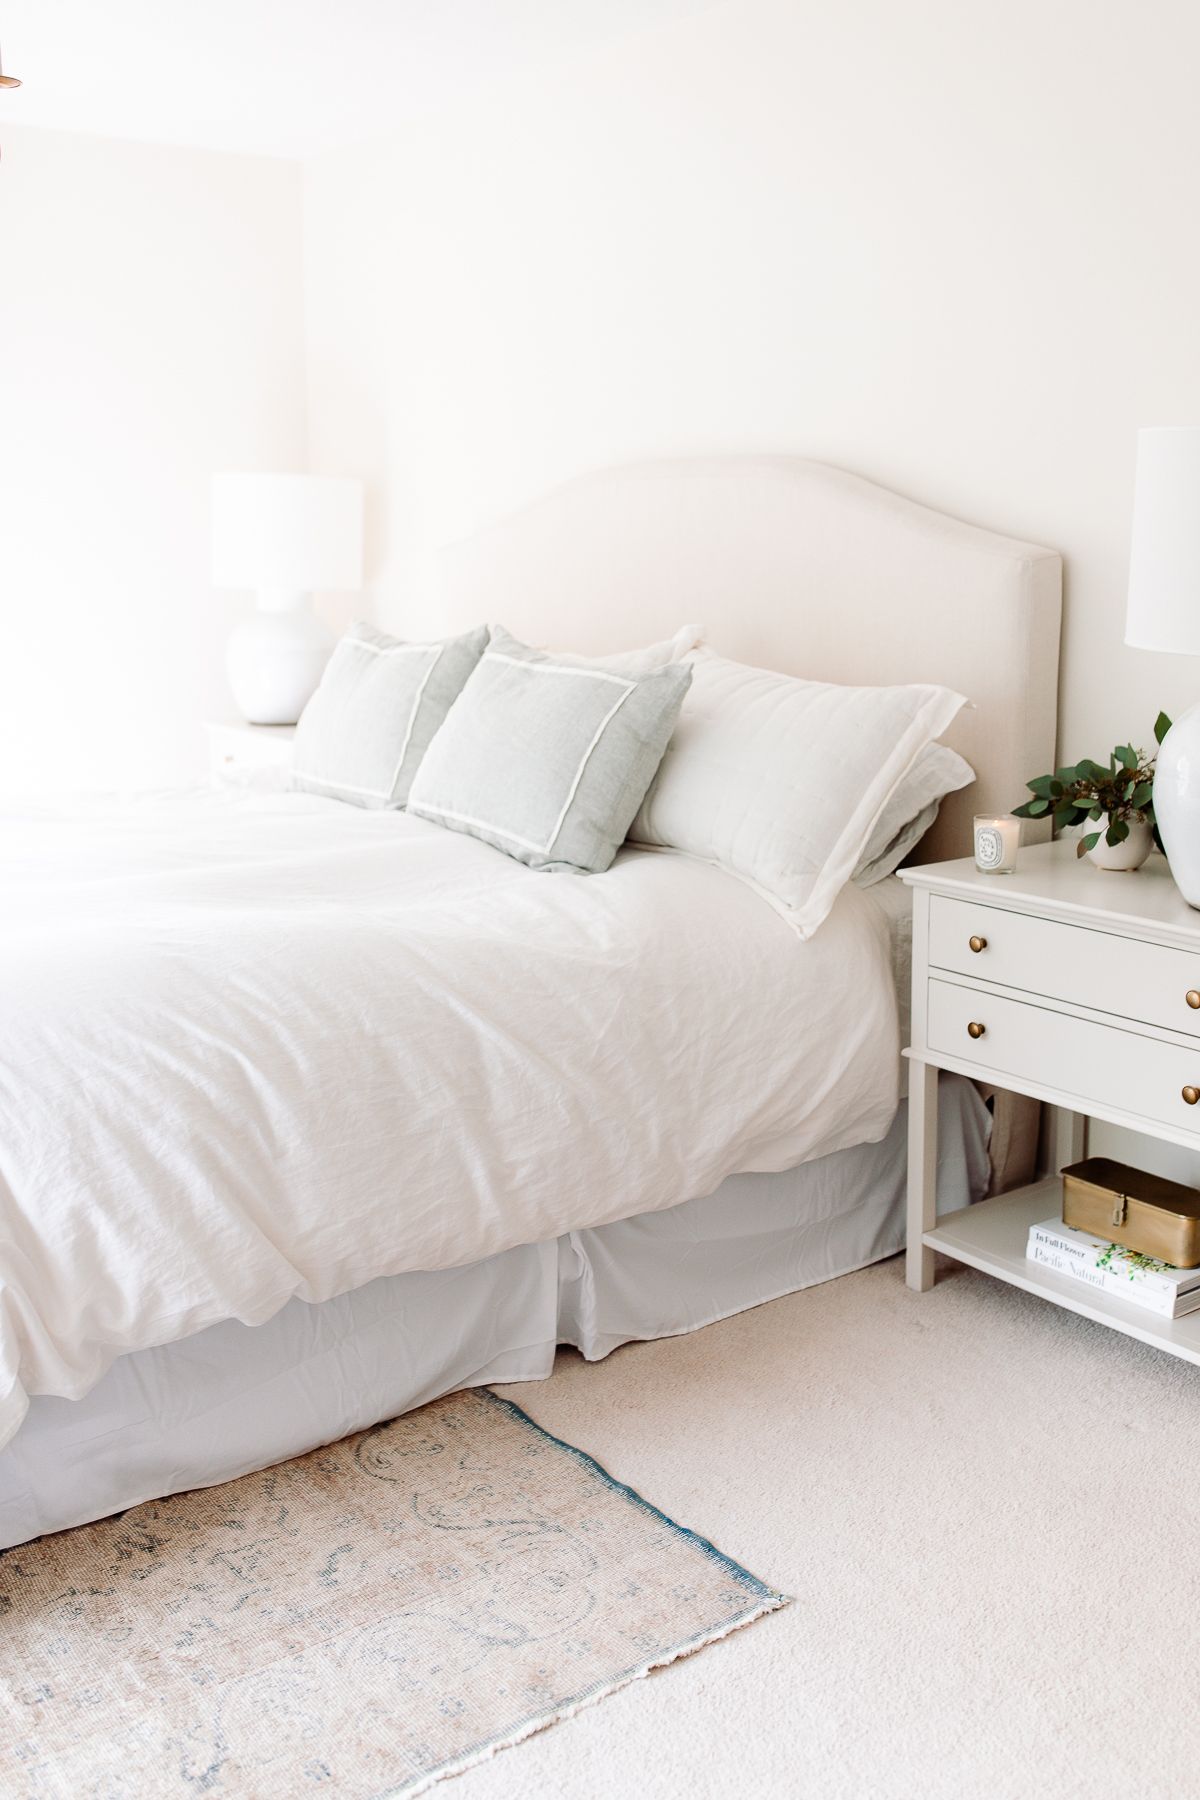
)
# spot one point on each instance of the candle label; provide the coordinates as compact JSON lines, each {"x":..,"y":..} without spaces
{"x":989,"y":847}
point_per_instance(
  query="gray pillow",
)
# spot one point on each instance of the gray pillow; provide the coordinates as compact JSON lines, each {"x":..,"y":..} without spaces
{"x":546,"y":758}
{"x":362,"y":735}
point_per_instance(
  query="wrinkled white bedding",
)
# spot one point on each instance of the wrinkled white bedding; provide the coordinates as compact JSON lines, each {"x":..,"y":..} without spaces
{"x":262,"y":1046}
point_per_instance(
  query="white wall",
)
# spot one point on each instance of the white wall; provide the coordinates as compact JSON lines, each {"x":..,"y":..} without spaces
{"x":948,"y":244}
{"x":151,"y":331}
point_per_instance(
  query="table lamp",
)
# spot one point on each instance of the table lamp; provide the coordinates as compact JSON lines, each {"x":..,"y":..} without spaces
{"x":1164,"y":614}
{"x":284,"y":536}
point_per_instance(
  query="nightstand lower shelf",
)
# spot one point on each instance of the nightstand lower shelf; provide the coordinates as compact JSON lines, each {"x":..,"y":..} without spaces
{"x":991,"y":1236}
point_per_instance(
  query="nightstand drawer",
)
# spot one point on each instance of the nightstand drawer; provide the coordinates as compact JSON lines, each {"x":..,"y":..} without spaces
{"x":1097,"y":969}
{"x":1093,"y":1063}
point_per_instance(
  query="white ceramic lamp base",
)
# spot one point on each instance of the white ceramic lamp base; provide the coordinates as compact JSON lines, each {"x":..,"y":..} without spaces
{"x":274,"y":662}
{"x":1177,"y":802}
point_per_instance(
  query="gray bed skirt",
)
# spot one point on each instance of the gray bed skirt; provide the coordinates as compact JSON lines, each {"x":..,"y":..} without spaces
{"x":235,"y":1397}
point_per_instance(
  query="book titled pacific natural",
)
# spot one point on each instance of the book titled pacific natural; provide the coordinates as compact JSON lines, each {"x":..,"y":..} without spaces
{"x":1142,"y":1280}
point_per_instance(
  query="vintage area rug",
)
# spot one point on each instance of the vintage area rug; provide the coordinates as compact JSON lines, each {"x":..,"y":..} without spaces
{"x":361,"y":1621}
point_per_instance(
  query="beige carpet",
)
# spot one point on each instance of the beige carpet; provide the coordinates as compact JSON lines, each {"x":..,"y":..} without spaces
{"x":987,"y":1511}
{"x":351,"y":1622}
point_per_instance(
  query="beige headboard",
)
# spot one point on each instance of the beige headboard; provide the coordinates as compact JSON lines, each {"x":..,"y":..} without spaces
{"x":798,"y":567}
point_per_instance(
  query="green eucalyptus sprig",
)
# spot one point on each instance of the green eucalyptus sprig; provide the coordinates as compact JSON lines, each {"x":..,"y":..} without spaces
{"x":1124,"y":789}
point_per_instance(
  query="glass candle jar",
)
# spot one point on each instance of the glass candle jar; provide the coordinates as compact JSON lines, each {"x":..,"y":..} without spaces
{"x":996,"y":841}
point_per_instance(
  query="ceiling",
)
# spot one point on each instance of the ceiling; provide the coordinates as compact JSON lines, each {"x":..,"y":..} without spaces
{"x":283,"y":77}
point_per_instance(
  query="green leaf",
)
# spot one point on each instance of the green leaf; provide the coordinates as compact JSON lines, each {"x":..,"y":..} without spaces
{"x":1040,"y":785}
{"x":1097,"y":812}
{"x":1086,"y":843}
{"x":1117,"y":832}
{"x":1126,"y":755}
{"x":1161,"y":727}
{"x":1036,"y":808}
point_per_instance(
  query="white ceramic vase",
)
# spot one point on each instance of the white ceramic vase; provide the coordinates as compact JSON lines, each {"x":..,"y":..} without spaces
{"x":1177,"y":802}
{"x":1124,"y":857}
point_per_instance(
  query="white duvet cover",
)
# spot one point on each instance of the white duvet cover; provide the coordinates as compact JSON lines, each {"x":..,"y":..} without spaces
{"x":262,"y":1046}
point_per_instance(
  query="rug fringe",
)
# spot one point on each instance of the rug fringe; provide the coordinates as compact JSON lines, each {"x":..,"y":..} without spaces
{"x":530,"y":1727}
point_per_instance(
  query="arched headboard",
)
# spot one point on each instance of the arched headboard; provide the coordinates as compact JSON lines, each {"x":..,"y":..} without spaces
{"x":795,"y":566}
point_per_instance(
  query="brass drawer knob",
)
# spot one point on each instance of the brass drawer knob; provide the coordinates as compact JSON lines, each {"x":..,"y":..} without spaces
{"x":976,"y":1030}
{"x":1191,"y":1095}
{"x":1193,"y":997}
{"x":977,"y":944}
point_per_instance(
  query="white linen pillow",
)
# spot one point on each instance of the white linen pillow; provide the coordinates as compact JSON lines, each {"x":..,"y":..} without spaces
{"x":910,"y":810}
{"x":362,"y":735}
{"x":781,"y":781}
{"x":641,"y":662}
{"x":547,"y":758}
{"x":870,"y":871}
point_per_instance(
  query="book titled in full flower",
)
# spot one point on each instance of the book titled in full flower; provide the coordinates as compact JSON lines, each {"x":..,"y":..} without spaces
{"x":1127,"y":1275}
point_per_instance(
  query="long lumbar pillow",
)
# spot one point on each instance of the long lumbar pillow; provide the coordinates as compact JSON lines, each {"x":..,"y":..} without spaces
{"x":548,"y":758}
{"x":781,"y":781}
{"x":363,"y":734}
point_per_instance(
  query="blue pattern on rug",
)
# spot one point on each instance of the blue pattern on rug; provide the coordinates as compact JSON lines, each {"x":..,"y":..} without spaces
{"x":365,"y":1619}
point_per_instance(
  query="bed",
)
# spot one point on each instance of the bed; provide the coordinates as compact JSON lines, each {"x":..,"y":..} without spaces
{"x":600,"y":1109}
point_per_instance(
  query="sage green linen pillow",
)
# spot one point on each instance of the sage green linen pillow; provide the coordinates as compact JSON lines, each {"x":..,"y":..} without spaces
{"x":380,"y":701}
{"x":547,"y":758}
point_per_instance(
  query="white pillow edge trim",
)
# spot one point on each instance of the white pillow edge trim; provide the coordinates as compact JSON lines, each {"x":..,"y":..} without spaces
{"x":627,"y":683}
{"x":909,"y":832}
{"x":921,"y":734}
{"x":779,"y":907}
{"x":547,"y":667}
{"x":601,"y":728}
{"x":412,"y":717}
{"x":351,"y":642}
{"x":935,"y":801}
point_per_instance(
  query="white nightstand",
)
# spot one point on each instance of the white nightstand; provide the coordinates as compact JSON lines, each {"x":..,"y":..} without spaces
{"x":1078,"y":987}
{"x":249,"y":755}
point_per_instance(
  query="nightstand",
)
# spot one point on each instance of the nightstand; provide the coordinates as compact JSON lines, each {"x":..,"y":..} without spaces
{"x":1077,"y":987}
{"x":256,"y":756}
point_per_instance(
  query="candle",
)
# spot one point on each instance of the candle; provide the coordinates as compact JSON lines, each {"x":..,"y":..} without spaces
{"x":996,"y":841}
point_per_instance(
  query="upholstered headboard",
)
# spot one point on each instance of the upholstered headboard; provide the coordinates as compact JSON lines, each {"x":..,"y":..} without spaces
{"x":798,"y":567}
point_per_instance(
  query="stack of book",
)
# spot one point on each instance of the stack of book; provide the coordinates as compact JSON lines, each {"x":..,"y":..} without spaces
{"x":1142,"y":1280}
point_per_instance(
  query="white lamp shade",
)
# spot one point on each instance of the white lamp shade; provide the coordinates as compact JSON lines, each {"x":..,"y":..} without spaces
{"x":1164,"y":567}
{"x":286,"y":534}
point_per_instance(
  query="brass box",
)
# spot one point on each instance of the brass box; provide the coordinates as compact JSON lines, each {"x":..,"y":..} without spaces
{"x":1142,"y":1212}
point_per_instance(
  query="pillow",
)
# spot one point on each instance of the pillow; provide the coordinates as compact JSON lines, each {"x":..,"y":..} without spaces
{"x":781,"y":781}
{"x":362,"y":735}
{"x":911,"y":809}
{"x":873,"y":869}
{"x":546,"y":757}
{"x":641,"y":662}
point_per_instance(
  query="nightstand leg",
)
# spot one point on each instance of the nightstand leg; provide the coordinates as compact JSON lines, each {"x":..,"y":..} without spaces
{"x":922,"y":1172}
{"x":1068,"y":1138}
